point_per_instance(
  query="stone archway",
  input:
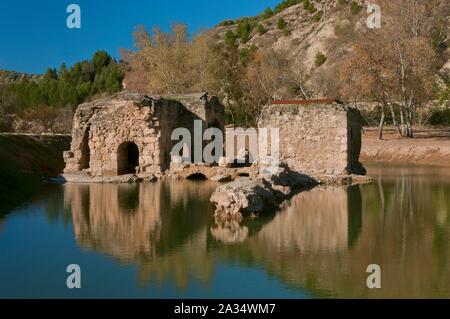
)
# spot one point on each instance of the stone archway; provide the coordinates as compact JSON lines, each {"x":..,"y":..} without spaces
{"x":127,"y":158}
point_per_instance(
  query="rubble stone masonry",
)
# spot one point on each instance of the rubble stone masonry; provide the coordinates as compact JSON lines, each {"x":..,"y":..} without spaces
{"x":317,"y":139}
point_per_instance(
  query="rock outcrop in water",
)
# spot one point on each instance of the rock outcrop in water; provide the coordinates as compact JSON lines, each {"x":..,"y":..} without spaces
{"x":247,"y":196}
{"x":251,"y":196}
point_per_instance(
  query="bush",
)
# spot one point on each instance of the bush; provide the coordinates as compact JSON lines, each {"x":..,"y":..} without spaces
{"x":261,"y":30}
{"x":230,"y":39}
{"x":355,"y":8}
{"x":320,"y":59}
{"x":281,"y":24}
{"x":226,"y":23}
{"x":246,"y":54}
{"x":46,"y":115}
{"x":308,"y":6}
{"x":317,"y":16}
{"x":244,"y":30}
{"x":286,"y":4}
{"x":440,"y":117}
{"x":268,"y":13}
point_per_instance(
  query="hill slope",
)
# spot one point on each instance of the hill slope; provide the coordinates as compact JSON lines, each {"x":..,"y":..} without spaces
{"x":312,"y":28}
{"x":24,"y":160}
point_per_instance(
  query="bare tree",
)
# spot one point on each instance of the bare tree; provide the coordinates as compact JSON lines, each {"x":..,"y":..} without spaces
{"x":396,"y":63}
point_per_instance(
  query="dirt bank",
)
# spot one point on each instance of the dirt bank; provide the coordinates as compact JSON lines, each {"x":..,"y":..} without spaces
{"x":24,"y":160}
{"x":429,"y":147}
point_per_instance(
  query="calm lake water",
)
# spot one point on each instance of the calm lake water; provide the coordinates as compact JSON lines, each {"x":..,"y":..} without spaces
{"x":161,"y":241}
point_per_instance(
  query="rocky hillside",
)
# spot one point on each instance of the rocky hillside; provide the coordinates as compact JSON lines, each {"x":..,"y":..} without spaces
{"x":12,"y":76}
{"x":316,"y":34}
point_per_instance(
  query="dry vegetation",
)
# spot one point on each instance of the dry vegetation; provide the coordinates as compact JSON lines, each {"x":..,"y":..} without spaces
{"x":328,"y":55}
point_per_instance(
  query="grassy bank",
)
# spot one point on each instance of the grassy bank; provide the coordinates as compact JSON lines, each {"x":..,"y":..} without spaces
{"x":24,"y":161}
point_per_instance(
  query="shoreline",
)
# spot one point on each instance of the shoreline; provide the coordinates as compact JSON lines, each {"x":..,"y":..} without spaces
{"x":430,"y":147}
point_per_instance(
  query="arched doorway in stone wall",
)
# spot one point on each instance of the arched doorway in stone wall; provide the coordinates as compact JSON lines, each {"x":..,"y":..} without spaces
{"x":127,"y":158}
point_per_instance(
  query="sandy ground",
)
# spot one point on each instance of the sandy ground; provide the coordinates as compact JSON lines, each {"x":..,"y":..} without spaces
{"x":428,"y":147}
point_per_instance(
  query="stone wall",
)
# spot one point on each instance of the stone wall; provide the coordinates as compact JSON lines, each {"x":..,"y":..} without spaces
{"x":105,"y":130}
{"x":317,"y":140}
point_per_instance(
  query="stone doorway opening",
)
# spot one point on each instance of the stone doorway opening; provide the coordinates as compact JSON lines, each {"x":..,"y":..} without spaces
{"x":196,"y":177}
{"x":127,"y":158}
{"x":85,"y":151}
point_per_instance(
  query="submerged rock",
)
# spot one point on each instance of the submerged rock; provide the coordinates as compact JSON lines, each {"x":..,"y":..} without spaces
{"x":244,"y":196}
{"x":248,"y":196}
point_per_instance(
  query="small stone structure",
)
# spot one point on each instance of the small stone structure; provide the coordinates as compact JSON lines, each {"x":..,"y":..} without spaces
{"x":318,"y":137}
{"x":130,"y":133}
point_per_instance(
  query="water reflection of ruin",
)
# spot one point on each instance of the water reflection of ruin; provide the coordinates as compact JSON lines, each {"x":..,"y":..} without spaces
{"x":127,"y":220}
{"x":406,"y":234}
{"x":322,"y":240}
{"x":325,"y":219}
{"x":166,"y":228}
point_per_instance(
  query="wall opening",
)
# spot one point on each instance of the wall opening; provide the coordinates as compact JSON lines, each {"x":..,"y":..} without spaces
{"x":128,"y":196}
{"x":196,"y":177}
{"x":127,"y":158}
{"x":85,"y":151}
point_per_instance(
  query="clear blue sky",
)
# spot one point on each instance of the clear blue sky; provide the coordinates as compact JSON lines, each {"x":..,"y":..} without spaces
{"x":34,"y":36}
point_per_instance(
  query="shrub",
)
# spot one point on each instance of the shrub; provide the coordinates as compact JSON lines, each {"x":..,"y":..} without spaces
{"x":268,"y":13}
{"x":230,"y":39}
{"x":355,"y":8}
{"x":317,"y":16}
{"x":246,"y":54}
{"x":261,"y":30}
{"x":320,"y":59}
{"x":281,"y":24}
{"x":286,"y":4}
{"x":243,"y":30}
{"x":308,"y":6}
{"x":440,"y":117}
{"x":226,"y":23}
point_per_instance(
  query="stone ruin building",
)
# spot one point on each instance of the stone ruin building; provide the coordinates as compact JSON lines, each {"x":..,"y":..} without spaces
{"x":131,"y":133}
{"x":317,"y":137}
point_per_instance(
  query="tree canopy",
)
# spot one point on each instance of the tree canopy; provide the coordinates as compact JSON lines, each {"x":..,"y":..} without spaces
{"x":66,"y":87}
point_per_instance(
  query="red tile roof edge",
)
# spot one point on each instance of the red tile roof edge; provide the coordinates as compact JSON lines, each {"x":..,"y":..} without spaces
{"x":305,"y":102}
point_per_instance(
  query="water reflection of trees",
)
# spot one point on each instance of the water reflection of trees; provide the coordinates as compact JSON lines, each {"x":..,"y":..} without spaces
{"x":404,"y":226}
{"x":322,"y":240}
